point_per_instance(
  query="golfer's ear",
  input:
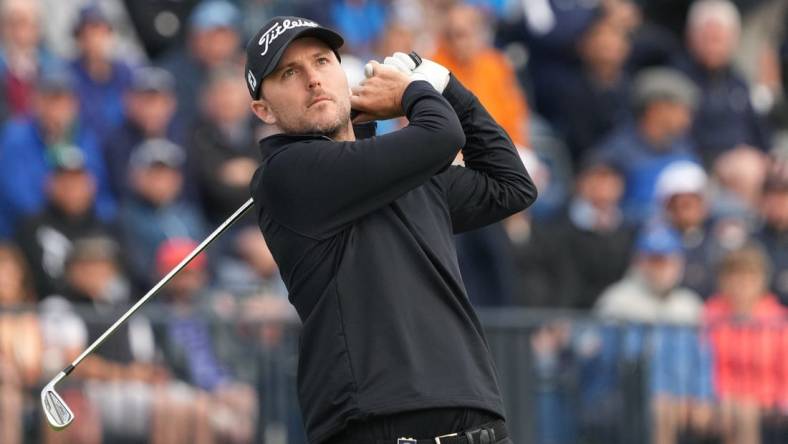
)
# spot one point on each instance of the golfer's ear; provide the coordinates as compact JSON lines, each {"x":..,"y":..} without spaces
{"x":262,"y":110}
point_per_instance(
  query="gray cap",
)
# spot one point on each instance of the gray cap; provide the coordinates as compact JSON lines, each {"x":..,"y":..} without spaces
{"x":152,"y":79}
{"x":666,"y":84}
{"x":157,"y":152}
{"x":93,"y":248}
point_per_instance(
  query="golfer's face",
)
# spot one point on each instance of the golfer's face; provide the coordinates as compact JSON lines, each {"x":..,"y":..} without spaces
{"x":308,"y":92}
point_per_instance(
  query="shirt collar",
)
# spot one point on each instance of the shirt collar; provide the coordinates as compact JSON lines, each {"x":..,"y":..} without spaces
{"x":271,"y":144}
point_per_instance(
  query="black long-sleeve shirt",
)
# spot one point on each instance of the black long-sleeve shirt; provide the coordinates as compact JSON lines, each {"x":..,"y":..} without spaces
{"x":362,"y":232}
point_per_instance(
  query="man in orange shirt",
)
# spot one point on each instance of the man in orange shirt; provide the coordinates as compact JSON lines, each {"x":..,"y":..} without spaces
{"x":464,"y":50}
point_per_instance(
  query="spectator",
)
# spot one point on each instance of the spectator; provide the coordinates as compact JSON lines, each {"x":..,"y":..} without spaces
{"x":192,"y":351}
{"x":47,"y":237}
{"x":101,"y":77}
{"x":652,"y":294}
{"x":682,"y":192}
{"x":395,"y":37}
{"x":778,"y":156}
{"x":724,"y":117}
{"x":250,"y":270}
{"x":466,"y":52}
{"x":663,"y":101}
{"x":153,"y":213}
{"x":744,"y":327}
{"x":21,"y":344}
{"x":550,"y":29}
{"x":654,"y":43}
{"x":651,"y":291}
{"x":360,"y":22}
{"x":260,"y":295}
{"x":595,"y":97}
{"x":65,"y":337}
{"x":591,"y":227}
{"x":135,"y":397}
{"x":22,"y":59}
{"x":213,"y":41}
{"x":26,"y":144}
{"x":59,"y":30}
{"x":739,"y":175}
{"x":774,"y":232}
{"x":149,"y":114}
{"x":223,"y":145}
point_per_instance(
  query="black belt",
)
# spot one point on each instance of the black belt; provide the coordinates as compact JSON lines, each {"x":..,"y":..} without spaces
{"x":489,"y":433}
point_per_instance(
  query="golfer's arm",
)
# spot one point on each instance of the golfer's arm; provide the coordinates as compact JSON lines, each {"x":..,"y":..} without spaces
{"x":494,"y":182}
{"x":316,"y":187}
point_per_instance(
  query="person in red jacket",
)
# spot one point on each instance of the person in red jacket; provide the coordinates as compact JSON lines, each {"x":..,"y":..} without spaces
{"x":749,"y":340}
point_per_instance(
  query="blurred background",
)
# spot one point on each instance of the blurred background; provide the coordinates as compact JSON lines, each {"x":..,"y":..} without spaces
{"x":642,"y":299}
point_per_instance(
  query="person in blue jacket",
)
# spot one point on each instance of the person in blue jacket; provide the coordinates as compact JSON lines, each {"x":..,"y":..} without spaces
{"x":26,"y":144}
{"x":663,"y":99}
{"x":102,"y":78}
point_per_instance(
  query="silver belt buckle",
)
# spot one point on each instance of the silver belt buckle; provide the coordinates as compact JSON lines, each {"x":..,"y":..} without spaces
{"x":406,"y":441}
{"x":438,"y":438}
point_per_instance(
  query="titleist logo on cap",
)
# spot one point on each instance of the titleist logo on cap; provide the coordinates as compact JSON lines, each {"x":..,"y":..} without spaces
{"x":278,"y":29}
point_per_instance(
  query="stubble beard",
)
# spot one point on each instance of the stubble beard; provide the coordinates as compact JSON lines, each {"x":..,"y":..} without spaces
{"x":330,"y":129}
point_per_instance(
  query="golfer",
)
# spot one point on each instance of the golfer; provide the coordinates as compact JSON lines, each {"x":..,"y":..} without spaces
{"x":362,"y":227}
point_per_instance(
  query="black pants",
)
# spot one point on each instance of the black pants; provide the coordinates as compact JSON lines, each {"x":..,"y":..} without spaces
{"x":418,"y":424}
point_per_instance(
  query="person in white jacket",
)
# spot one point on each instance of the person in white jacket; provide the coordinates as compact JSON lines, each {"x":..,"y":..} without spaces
{"x":650,"y":292}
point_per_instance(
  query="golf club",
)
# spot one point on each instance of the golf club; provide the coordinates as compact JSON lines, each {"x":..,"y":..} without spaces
{"x":57,"y":412}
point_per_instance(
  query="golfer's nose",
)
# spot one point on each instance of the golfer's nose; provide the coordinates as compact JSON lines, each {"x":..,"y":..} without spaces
{"x":313,"y":78}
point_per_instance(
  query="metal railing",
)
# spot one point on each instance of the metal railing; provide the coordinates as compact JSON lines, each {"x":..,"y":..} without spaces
{"x":565,"y":377}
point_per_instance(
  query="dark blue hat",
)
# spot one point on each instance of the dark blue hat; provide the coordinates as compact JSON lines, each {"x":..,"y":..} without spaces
{"x":90,"y":13}
{"x":269,"y":44}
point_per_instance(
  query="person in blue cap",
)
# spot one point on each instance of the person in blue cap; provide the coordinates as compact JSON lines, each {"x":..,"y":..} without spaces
{"x":659,"y":316}
{"x":650,"y":292}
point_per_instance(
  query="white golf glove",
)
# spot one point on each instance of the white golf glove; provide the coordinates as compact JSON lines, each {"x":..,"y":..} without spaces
{"x":435,"y":74}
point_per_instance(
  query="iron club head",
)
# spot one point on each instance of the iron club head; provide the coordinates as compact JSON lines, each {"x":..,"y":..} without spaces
{"x":57,"y":412}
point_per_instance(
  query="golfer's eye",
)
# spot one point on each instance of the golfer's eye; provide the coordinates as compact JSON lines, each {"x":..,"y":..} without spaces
{"x":322,"y":61}
{"x":288,"y":73}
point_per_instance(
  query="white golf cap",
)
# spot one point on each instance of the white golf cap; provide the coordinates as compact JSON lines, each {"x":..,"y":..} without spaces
{"x":682,"y":177}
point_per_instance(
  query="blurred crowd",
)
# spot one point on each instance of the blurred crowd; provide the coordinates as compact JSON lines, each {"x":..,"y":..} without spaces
{"x":656,"y":131}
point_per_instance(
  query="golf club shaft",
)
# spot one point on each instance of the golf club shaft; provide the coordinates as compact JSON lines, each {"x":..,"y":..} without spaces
{"x":216,"y":233}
